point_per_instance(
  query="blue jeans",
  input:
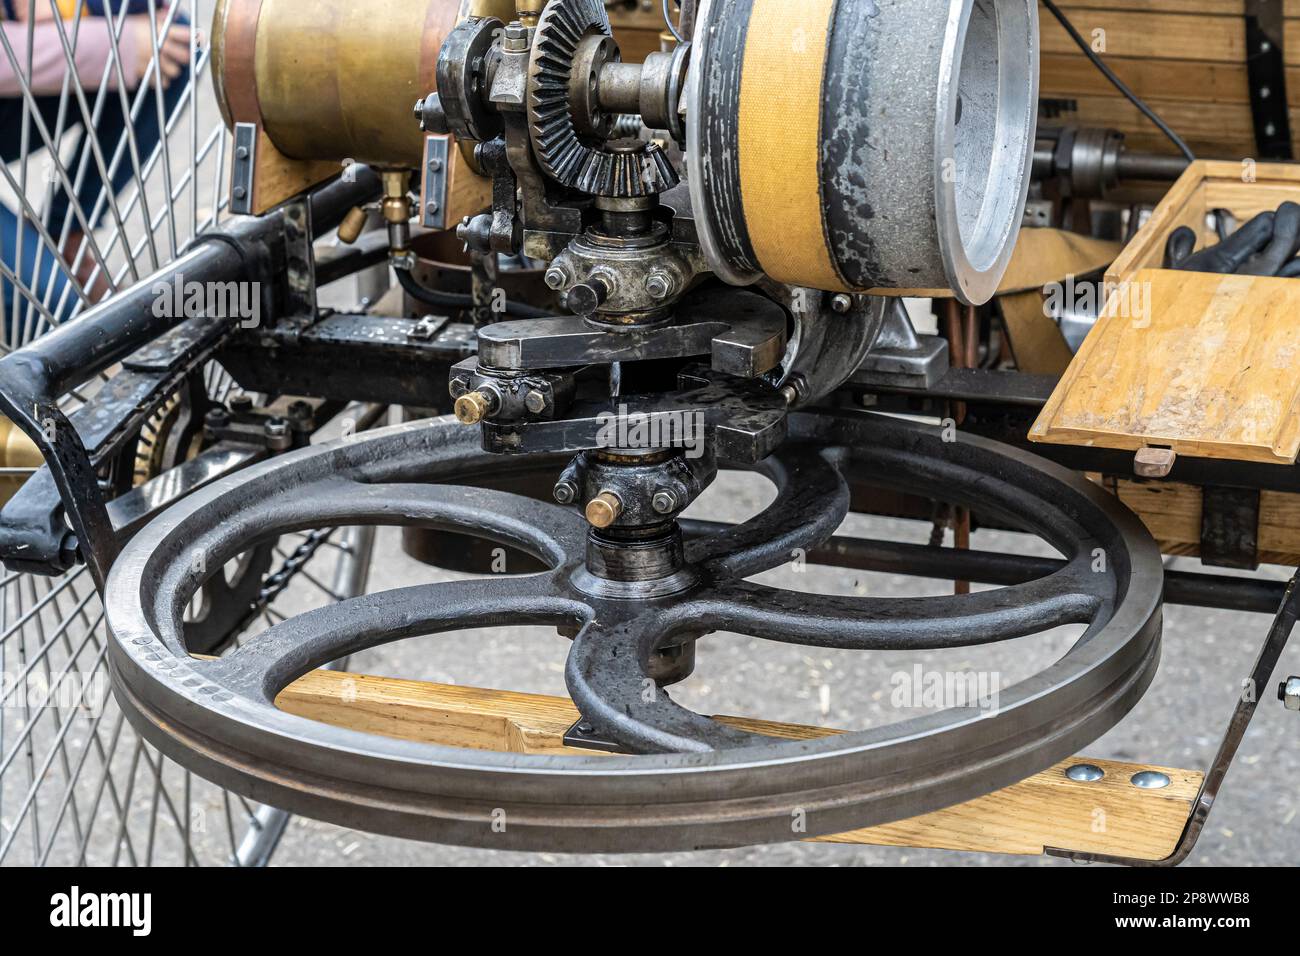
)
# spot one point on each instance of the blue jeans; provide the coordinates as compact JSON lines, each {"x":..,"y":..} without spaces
{"x":108,"y":132}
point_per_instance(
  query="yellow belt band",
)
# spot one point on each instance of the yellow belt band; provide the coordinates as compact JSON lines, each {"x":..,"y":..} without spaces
{"x":780,"y":140}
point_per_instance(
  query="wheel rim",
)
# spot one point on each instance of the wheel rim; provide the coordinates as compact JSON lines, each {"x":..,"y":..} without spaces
{"x":217,"y":717}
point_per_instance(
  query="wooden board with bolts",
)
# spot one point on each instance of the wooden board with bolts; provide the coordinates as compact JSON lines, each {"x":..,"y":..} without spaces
{"x":1109,"y":815}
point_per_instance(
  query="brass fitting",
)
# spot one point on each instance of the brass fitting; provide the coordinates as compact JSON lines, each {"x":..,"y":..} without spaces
{"x":396,"y":205}
{"x":527,"y":11}
{"x":604,"y":509}
{"x":473,"y":407}
{"x":353,"y":223}
{"x":16,"y":451}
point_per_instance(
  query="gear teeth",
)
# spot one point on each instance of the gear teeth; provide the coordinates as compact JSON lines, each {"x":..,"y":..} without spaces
{"x":562,"y":154}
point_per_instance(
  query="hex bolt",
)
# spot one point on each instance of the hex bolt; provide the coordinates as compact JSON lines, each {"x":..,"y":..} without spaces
{"x":535,"y":402}
{"x":790,"y":394}
{"x":604,"y":509}
{"x":473,"y":407}
{"x":842,"y":303}
{"x":457,"y":387}
{"x":565,"y":491}
{"x":216,"y":417}
{"x":277,"y":434}
{"x":1289,"y":693}
{"x":241,"y":404}
{"x":664,"y":501}
{"x":659,"y":285}
{"x":555,"y":278}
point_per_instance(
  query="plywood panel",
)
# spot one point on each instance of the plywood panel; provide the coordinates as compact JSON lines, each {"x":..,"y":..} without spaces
{"x":1208,"y":365}
{"x":1109,"y":816}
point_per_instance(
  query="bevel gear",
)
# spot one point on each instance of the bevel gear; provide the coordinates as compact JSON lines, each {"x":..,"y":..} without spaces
{"x":560,"y":150}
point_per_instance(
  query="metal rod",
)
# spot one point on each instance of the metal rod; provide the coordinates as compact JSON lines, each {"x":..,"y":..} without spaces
{"x":1187,"y":588}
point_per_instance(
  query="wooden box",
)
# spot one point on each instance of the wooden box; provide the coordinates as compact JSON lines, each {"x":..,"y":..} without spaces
{"x":1205,"y":364}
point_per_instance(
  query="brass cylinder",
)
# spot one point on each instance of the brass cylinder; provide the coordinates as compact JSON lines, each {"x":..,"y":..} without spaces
{"x":16,"y":451}
{"x":603,"y":510}
{"x":335,"y":79}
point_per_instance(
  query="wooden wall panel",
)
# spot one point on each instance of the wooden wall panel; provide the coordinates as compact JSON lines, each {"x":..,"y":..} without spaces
{"x":1187,"y":58}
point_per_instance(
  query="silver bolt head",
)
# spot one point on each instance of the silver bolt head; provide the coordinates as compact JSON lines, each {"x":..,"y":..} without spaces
{"x":555,"y":278}
{"x":1149,"y":780}
{"x":535,"y":402}
{"x":1289,"y":692}
{"x":1085,"y":773}
{"x":659,"y":285}
{"x":565,"y":492}
{"x":664,"y":502}
{"x":514,"y":39}
{"x":842,"y":303}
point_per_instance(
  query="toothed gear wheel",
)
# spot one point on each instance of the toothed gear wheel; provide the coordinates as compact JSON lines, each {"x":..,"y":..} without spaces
{"x":629,"y":171}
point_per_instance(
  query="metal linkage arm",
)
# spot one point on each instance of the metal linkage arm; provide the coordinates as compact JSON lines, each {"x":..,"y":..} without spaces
{"x":35,"y":379}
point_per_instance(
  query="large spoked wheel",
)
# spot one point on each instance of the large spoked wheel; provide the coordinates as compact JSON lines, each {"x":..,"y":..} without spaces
{"x":694,"y":782}
{"x":108,"y":174}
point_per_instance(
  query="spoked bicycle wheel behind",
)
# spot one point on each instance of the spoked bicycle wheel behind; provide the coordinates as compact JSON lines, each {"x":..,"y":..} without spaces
{"x":115,"y":163}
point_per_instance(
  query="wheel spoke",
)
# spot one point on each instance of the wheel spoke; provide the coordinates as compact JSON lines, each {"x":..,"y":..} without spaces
{"x":891,"y":624}
{"x":811,"y":502}
{"x":608,"y":681}
{"x":268,"y":663}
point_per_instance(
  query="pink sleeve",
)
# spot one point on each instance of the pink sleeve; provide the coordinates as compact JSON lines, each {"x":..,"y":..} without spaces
{"x":49,"y":65}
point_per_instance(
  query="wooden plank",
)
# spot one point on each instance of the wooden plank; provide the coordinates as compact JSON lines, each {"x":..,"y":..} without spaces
{"x":1071,"y":74}
{"x":1165,"y":36}
{"x":1172,"y":513}
{"x":1047,"y":810}
{"x":1204,"y":364}
{"x":277,"y":178}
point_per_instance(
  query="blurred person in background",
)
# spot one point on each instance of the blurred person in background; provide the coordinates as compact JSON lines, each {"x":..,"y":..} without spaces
{"x":86,"y":25}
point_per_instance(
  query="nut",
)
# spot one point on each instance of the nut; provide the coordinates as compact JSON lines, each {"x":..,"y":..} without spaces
{"x":565,"y":491}
{"x":1288,"y":693}
{"x":555,"y":278}
{"x":664,"y":501}
{"x":659,"y":285}
{"x":535,"y":402}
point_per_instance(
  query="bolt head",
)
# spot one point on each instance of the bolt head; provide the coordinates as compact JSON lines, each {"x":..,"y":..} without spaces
{"x":664,"y":502}
{"x":842,"y":303}
{"x":277,"y":428}
{"x":555,"y":278}
{"x":659,"y":285}
{"x":1289,"y":693}
{"x":535,"y":402}
{"x":565,"y":492}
